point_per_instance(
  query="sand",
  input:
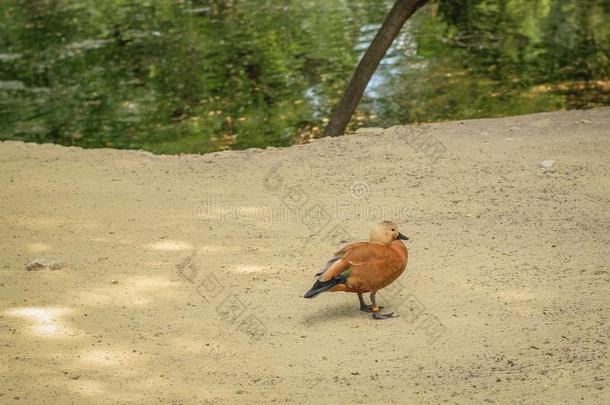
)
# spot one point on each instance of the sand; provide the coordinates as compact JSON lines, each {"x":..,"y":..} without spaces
{"x":180,"y":278}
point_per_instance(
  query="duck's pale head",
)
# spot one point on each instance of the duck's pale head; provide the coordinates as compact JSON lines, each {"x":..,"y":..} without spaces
{"x":385,"y":233}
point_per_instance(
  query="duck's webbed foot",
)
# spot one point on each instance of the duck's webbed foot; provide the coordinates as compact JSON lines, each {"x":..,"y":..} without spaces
{"x":376,"y":310}
{"x":378,"y":315}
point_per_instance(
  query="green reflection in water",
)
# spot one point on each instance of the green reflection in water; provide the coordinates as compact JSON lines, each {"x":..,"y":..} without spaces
{"x":200,"y":76}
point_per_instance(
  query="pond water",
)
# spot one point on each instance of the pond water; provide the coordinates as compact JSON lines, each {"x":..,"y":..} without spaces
{"x":200,"y":76}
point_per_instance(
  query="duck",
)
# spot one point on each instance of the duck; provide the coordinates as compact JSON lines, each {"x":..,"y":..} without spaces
{"x":365,"y":267}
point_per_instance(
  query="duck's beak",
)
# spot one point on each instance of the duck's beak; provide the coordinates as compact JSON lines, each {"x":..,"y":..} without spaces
{"x":401,"y":236}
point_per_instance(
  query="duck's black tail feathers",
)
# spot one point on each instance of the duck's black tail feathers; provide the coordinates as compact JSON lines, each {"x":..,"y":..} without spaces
{"x":321,"y":286}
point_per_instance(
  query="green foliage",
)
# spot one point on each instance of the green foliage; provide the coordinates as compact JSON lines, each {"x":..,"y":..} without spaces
{"x":200,"y":76}
{"x":487,"y":58}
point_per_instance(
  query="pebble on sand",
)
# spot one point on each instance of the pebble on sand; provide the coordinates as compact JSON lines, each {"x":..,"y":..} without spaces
{"x":546,"y":164}
{"x":43,"y":264}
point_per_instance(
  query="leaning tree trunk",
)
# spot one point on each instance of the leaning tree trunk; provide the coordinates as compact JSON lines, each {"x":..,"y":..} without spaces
{"x":402,"y":10}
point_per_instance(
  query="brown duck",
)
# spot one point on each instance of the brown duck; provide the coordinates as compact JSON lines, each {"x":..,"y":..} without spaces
{"x":363,"y":267}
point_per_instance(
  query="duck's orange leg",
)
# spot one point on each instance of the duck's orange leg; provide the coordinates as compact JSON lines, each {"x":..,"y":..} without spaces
{"x":363,"y":306}
{"x":376,"y":310}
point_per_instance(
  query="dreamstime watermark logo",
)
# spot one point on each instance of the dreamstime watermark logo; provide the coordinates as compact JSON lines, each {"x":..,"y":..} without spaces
{"x":296,"y":208}
{"x":227,"y":304}
{"x":324,"y":219}
{"x":422,"y":142}
{"x":314,"y":215}
{"x":597,"y":199}
{"x":360,"y":189}
{"x":415,"y":313}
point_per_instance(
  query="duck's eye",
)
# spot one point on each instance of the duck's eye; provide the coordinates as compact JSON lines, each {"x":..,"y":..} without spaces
{"x":393,"y":229}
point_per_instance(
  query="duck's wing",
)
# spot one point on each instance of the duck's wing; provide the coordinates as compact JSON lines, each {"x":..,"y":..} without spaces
{"x":335,"y":271}
{"x":329,"y":263}
{"x":351,"y":260}
{"x":340,"y":263}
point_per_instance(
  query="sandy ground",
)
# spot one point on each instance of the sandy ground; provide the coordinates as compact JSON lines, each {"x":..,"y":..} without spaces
{"x":182,"y":277}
